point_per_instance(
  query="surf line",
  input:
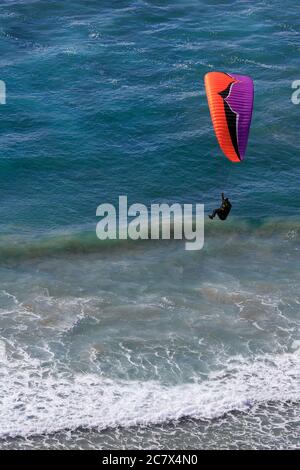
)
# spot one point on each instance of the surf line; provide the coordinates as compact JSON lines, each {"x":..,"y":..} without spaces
{"x":162,"y":221}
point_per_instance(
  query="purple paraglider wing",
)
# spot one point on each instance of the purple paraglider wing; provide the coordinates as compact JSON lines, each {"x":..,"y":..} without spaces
{"x":240,"y":101}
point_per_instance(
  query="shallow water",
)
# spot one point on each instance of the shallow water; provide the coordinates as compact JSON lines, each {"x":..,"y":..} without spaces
{"x":155,"y":340}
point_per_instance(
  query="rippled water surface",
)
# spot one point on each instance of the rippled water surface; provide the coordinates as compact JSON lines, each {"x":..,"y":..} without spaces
{"x":146,"y":345}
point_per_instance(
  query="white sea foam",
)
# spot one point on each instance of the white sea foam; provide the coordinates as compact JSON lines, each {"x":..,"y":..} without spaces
{"x":35,"y":400}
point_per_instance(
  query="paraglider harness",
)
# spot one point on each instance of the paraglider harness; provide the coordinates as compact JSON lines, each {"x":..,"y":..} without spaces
{"x":225,"y":208}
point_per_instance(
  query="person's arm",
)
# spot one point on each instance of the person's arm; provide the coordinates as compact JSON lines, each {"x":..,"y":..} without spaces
{"x":222,"y":197}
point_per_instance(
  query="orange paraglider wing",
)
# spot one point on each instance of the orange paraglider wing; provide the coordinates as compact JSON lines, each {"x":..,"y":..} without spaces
{"x":230,"y":101}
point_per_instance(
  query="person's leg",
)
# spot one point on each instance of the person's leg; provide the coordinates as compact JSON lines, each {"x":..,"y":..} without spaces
{"x":213,"y":214}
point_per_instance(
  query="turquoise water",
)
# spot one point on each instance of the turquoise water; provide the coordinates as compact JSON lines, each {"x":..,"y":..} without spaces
{"x":143,"y":344}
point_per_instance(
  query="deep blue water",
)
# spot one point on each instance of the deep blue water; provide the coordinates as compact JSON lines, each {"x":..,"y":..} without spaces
{"x":107,"y":98}
{"x":104,"y":100}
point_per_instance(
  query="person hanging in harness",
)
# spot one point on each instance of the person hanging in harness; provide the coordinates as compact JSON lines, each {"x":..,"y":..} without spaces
{"x":223,"y":211}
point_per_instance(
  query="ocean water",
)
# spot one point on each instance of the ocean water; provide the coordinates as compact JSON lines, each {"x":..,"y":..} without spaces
{"x":145,"y":345}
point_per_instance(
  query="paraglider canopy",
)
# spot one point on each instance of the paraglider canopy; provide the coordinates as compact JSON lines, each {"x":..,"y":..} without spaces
{"x":230,"y":101}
